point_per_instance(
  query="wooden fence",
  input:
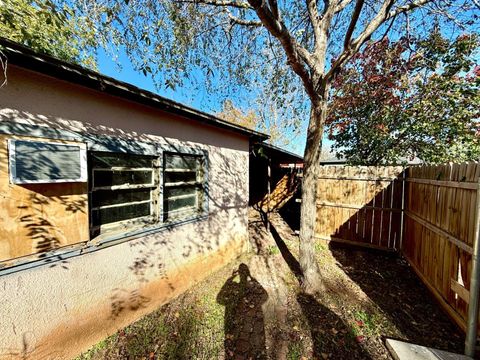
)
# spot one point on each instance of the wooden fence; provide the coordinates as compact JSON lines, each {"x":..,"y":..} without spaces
{"x":426,"y":212}
{"x":360,"y":204}
{"x":440,"y":218}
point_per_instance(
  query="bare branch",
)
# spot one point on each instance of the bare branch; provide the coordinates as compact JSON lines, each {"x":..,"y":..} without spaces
{"x":385,"y":13}
{"x":274,"y":7}
{"x":353,"y":22}
{"x":342,"y":5}
{"x":238,"y":21}
{"x":313,"y":15}
{"x":232,"y":3}
{"x":407,"y":7}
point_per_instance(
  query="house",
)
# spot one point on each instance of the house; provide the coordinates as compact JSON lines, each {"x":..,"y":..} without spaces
{"x":113,"y":200}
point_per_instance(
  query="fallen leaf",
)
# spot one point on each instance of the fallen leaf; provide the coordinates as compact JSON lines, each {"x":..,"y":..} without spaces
{"x":334,"y":331}
{"x":360,"y":323}
{"x":359,"y":338}
{"x":177,"y":314}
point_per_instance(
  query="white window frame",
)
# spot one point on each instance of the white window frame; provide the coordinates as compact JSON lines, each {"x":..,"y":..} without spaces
{"x":13,"y":170}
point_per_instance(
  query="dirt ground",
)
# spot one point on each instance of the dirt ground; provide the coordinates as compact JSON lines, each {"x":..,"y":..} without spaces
{"x":254,"y":309}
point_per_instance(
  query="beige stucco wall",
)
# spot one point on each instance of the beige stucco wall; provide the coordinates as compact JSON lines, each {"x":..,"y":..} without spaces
{"x":57,"y":310}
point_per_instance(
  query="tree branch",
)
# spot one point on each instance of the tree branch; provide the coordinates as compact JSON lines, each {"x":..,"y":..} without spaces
{"x":407,"y":7}
{"x":297,"y":55}
{"x":342,"y":5}
{"x":383,"y":15}
{"x":243,"y":22}
{"x":353,"y":22}
{"x":224,"y":3}
{"x":313,"y":15}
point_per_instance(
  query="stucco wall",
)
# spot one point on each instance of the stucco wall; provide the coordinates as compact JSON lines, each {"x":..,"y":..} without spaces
{"x":60,"y":309}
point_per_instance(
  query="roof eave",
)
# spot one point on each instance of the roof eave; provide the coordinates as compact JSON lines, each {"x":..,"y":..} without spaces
{"x":24,"y":57}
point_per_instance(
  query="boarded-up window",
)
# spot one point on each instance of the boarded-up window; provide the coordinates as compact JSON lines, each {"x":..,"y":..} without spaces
{"x":46,"y":162}
{"x":123,"y":190}
{"x":184,"y":186}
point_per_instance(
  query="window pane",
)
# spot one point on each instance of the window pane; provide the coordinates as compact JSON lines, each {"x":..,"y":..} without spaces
{"x":114,"y":214}
{"x":182,"y":162}
{"x":173,"y":177}
{"x":109,"y":197}
{"x":112,"y":178}
{"x":181,"y":191}
{"x":35,"y":161}
{"x":107,"y":160}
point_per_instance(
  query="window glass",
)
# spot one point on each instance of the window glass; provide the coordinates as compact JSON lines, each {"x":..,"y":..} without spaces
{"x":123,"y":189}
{"x":184,"y":186}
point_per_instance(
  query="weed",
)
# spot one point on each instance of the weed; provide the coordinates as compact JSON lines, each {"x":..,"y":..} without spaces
{"x":295,"y":351}
{"x":366,"y":323}
{"x":273,"y":250}
{"x":320,"y":247}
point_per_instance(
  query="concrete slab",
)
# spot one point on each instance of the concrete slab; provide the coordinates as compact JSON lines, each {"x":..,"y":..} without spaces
{"x":405,"y":351}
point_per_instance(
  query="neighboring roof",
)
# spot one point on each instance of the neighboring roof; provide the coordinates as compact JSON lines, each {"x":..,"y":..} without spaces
{"x":333,"y":162}
{"x":278,"y":156}
{"x":24,"y":57}
{"x":289,"y":154}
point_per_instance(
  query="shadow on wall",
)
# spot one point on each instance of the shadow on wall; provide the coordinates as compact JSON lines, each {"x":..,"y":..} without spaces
{"x":243,"y":297}
{"x":227,"y":218}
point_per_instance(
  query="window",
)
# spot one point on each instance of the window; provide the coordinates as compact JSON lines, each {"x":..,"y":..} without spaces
{"x":184,"y":186}
{"x":34,"y":162}
{"x":124,"y":191}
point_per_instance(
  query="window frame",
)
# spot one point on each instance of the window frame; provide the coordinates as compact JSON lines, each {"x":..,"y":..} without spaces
{"x":140,"y":221}
{"x":12,"y":162}
{"x":201,"y":201}
{"x":157,"y":220}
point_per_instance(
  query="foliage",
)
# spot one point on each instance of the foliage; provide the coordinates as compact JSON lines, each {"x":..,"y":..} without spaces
{"x":399,"y":100}
{"x":266,"y":121}
{"x":234,"y":115}
{"x":47,"y":28}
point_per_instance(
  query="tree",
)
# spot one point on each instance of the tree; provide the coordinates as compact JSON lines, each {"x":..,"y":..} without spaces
{"x":410,"y":98}
{"x":291,"y":51}
{"x":47,"y":28}
{"x":234,"y":115}
{"x":266,"y":120}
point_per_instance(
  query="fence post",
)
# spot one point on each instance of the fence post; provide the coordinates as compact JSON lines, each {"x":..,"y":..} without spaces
{"x":402,"y":213}
{"x":472,"y":318}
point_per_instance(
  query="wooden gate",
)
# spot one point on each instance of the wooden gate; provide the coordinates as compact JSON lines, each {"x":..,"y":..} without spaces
{"x":361,"y":205}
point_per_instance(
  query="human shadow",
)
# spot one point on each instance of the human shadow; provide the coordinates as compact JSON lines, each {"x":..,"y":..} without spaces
{"x":243,"y":296}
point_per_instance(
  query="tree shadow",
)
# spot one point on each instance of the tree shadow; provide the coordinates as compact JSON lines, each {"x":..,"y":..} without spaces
{"x":389,"y":282}
{"x":243,"y":296}
{"x":329,"y":333}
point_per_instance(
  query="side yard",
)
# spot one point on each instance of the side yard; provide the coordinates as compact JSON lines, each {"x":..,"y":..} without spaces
{"x":253,"y":308}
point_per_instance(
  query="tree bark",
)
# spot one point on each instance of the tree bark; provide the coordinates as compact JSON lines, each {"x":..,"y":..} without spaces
{"x":312,"y":282}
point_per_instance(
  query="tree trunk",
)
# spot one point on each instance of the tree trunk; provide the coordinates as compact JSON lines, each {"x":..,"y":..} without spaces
{"x":308,"y":212}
